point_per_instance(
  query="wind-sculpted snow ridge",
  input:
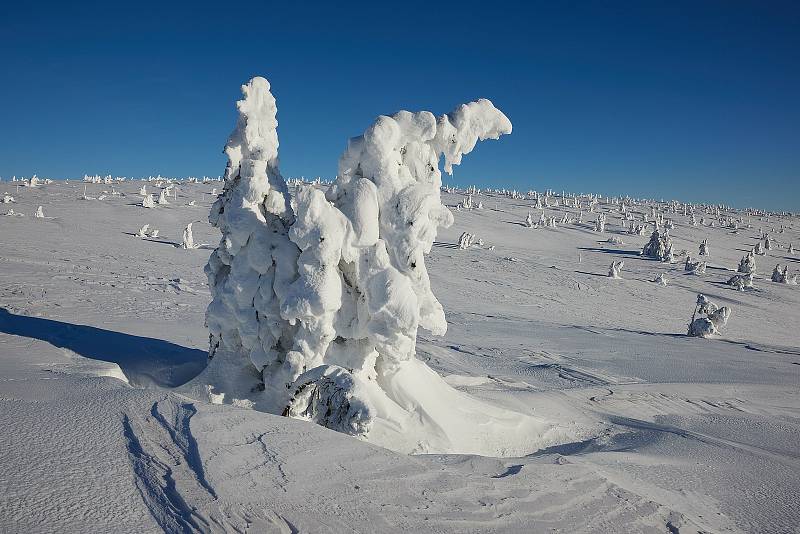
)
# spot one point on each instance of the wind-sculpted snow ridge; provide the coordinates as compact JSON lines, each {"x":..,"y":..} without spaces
{"x":316,"y":309}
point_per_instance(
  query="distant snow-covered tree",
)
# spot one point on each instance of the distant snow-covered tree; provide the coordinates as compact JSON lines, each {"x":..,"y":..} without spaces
{"x":615,"y":270}
{"x":782,"y":275}
{"x":741,"y":281}
{"x":162,"y":197}
{"x":660,"y":245}
{"x":748,"y":264}
{"x":707,"y":318}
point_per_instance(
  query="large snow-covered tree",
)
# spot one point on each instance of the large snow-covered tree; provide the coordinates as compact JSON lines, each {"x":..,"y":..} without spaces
{"x":317,"y":301}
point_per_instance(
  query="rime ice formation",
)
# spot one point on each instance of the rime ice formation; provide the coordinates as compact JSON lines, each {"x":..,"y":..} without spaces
{"x":615,"y":270}
{"x":162,"y":197}
{"x":39,"y":214}
{"x":529,"y":220}
{"x":748,"y":264}
{"x":659,"y":247}
{"x":316,"y":303}
{"x":188,"y":238}
{"x":147,"y":201}
{"x":710,"y":320}
{"x":466,"y":240}
{"x":741,"y":281}
{"x":782,"y":275}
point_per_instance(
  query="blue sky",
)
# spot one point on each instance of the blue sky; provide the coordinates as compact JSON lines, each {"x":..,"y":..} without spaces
{"x":682,"y":99}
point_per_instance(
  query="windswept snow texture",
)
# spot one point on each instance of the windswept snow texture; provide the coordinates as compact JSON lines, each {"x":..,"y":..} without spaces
{"x":689,"y":434}
{"x":316,"y":306}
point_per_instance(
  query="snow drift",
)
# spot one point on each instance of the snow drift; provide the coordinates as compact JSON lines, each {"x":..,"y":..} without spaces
{"x":317,"y":299}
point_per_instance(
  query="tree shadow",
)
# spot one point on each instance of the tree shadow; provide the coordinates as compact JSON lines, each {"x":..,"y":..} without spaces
{"x":592,"y":274}
{"x":444,"y":245}
{"x":145,"y":361}
{"x":604,"y":250}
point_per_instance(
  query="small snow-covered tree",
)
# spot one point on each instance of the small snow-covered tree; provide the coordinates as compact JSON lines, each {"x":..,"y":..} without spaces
{"x":704,"y":251}
{"x":188,"y":238}
{"x":465,"y":241}
{"x":660,"y":245}
{"x":767,"y":243}
{"x":143,"y":231}
{"x":707,"y":318}
{"x":39,"y":213}
{"x":694,"y":267}
{"x":162,"y":197}
{"x":747,"y":264}
{"x":143,"y":190}
{"x":529,"y":220}
{"x":148,"y":201}
{"x":661,"y":280}
{"x":759,"y":249}
{"x":615,"y":270}
{"x":316,"y":304}
{"x":782,"y":275}
{"x":790,"y":249}
{"x":741,"y":281}
{"x":600,"y":223}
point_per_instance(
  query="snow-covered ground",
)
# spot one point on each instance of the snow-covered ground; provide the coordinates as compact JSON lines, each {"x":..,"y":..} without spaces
{"x":100,"y":327}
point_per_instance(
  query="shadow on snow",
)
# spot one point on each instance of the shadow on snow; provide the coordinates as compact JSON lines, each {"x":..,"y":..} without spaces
{"x":145,"y":361}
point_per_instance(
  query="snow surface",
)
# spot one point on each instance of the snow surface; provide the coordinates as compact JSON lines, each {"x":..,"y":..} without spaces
{"x":99,"y":327}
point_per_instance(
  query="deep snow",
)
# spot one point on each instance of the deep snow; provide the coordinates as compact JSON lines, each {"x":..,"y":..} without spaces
{"x":677,"y":433}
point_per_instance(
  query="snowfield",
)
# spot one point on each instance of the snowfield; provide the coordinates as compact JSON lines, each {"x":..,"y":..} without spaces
{"x":98,"y":328}
{"x":102,"y":336}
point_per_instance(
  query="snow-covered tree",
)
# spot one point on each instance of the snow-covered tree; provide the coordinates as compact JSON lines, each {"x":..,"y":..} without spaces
{"x":704,"y":251}
{"x":782,"y":275}
{"x":39,"y":214}
{"x":162,"y":197}
{"x":748,"y":264}
{"x":529,"y":220}
{"x":188,"y":238}
{"x":707,"y":318}
{"x":466,"y":240}
{"x":615,"y":270}
{"x":315,"y":308}
{"x":143,"y":231}
{"x":148,"y":201}
{"x":741,"y":281}
{"x":660,"y":245}
{"x":600,"y":223}
{"x":661,"y":280}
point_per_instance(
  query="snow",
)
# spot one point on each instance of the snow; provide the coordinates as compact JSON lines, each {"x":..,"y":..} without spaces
{"x":700,"y":433}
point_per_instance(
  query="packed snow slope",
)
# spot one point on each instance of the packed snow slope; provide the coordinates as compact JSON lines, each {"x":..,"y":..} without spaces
{"x":98,"y":327}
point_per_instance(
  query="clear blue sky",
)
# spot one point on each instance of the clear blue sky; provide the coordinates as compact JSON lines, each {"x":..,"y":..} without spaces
{"x":680,"y":99}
